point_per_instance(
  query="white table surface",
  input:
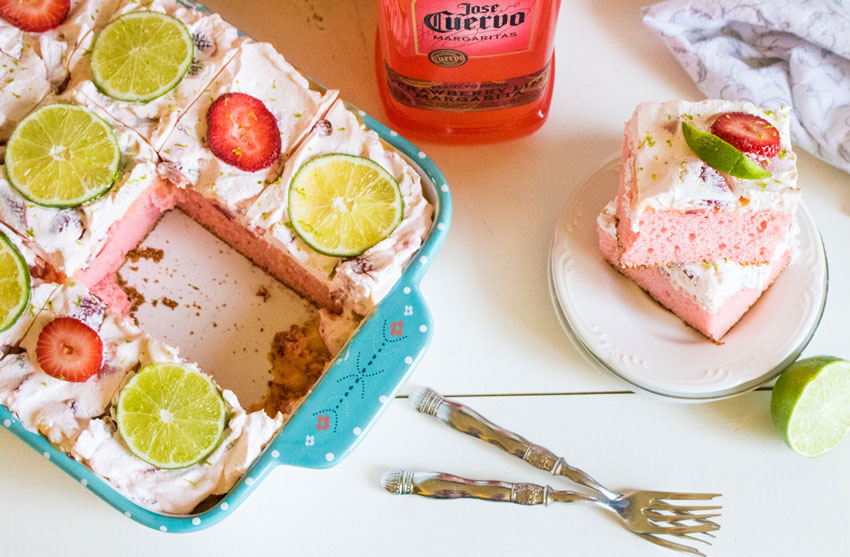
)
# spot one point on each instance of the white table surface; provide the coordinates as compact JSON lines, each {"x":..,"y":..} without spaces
{"x":498,"y":347}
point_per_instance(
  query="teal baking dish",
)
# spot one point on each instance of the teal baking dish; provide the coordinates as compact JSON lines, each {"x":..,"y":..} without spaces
{"x":355,"y":390}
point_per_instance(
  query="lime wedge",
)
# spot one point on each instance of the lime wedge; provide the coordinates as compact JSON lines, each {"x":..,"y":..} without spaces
{"x":811,"y":404}
{"x":141,"y":56}
{"x":171,"y":416}
{"x":62,"y":156}
{"x":342,"y":205}
{"x":721,"y":155}
{"x":14,"y":283}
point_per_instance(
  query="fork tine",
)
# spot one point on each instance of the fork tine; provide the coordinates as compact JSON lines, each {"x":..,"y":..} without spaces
{"x":693,"y":496}
{"x":688,"y":529}
{"x":694,"y":538}
{"x":662,"y":506}
{"x":671,"y":545}
{"x":658,"y":517}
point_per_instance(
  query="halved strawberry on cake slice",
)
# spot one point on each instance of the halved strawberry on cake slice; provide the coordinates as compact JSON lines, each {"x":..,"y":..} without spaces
{"x":705,"y":181}
{"x":232,"y":142}
{"x":711,"y":297}
{"x":72,"y":361}
{"x":51,"y":29}
{"x":65,"y":380}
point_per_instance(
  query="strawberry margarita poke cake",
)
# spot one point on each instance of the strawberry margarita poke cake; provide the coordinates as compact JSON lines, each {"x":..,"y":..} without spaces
{"x":711,"y":297}
{"x":685,"y":196}
{"x":704,"y":218}
{"x":116,"y":112}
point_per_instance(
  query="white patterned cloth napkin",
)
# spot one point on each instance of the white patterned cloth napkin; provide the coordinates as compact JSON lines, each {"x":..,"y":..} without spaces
{"x":769,"y":52}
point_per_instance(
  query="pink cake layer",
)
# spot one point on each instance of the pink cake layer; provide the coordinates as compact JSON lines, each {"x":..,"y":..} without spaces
{"x":141,"y":217}
{"x":711,"y":234}
{"x":222,"y":223}
{"x":126,"y":233}
{"x":658,"y":285}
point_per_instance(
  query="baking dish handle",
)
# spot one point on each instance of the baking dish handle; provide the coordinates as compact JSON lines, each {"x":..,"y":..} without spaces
{"x":360,"y":385}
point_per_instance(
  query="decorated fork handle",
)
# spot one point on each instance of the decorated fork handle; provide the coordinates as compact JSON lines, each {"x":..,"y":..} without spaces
{"x":468,"y":421}
{"x":436,"y":485}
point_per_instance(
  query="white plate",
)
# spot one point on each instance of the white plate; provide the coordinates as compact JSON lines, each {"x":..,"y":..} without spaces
{"x":620,"y":329}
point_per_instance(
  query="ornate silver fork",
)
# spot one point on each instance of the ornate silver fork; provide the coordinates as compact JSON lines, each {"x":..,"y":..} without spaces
{"x":646,"y":513}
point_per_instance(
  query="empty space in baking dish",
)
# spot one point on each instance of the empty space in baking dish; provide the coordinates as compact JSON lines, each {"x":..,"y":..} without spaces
{"x":200,"y":295}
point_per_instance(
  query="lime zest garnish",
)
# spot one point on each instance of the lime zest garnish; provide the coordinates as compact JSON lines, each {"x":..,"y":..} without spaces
{"x":721,"y":155}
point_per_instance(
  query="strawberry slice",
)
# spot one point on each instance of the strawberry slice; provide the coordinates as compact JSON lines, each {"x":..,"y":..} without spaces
{"x":35,"y":16}
{"x":242,"y":132}
{"x":748,"y":133}
{"x":70,"y":350}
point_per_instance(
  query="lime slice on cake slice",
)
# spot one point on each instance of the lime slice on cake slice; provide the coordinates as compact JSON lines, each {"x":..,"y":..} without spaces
{"x":14,"y":283}
{"x":721,"y":155}
{"x":811,"y":404}
{"x":171,"y":416}
{"x":141,"y":56}
{"x":342,"y":205}
{"x":62,"y":156}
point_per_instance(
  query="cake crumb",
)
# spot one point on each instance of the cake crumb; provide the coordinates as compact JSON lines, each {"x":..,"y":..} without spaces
{"x":153,"y":254}
{"x":136,"y":298}
{"x":264,"y":293}
{"x":171,"y":304}
{"x":298,"y":357}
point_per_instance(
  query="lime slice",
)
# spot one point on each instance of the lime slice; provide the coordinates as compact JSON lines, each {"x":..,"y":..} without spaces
{"x":721,"y":155}
{"x":171,"y":416}
{"x":62,"y":156}
{"x":811,"y":404}
{"x":14,"y":283}
{"x":342,"y":205}
{"x":141,"y":56}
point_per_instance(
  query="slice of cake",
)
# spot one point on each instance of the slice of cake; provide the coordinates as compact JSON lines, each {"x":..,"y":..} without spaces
{"x":23,"y":84}
{"x":215,"y":43}
{"x":710,"y":297}
{"x":75,"y":413}
{"x":41,"y":288}
{"x":55,"y":46}
{"x":354,"y":283}
{"x":60,"y":409}
{"x":673,"y":207}
{"x":69,"y":238}
{"x":261,"y":72}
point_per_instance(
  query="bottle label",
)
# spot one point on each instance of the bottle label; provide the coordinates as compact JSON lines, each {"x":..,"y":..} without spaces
{"x":450,"y":32}
{"x":468,"y":96}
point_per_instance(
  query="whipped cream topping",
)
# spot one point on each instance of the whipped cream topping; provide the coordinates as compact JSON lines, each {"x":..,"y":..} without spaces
{"x":100,"y":447}
{"x":257,"y":70}
{"x":362,"y":281}
{"x":712,"y":284}
{"x":75,"y":416}
{"x":40,"y":291}
{"x":61,"y":409}
{"x":216,"y":42}
{"x":68,"y":238}
{"x":55,"y":46}
{"x":661,"y":172}
{"x":23,"y":83}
